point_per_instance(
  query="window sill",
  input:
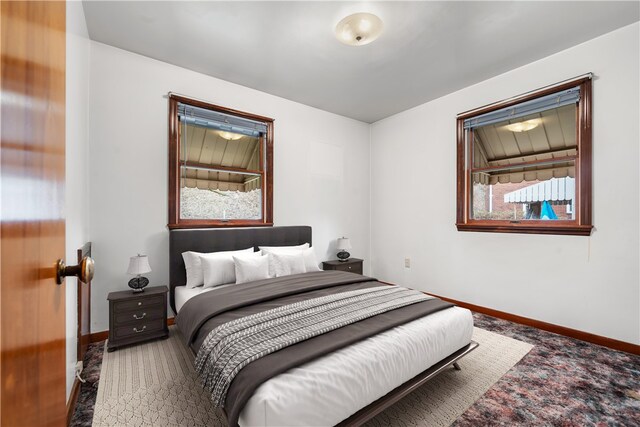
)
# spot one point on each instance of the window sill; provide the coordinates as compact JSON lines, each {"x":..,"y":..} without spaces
{"x":538,"y":227}
{"x":218,"y":224}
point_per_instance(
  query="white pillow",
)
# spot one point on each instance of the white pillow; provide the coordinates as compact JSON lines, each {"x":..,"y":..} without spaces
{"x":286,"y":264}
{"x":281,"y":249}
{"x":194,"y":268}
{"x":310,"y":261}
{"x":218,"y":267}
{"x":251,"y":268}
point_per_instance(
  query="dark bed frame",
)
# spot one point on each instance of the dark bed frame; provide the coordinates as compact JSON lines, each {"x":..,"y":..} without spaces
{"x":229,"y":239}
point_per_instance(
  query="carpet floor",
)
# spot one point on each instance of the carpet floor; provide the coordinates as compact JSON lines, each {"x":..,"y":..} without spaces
{"x":561,"y":381}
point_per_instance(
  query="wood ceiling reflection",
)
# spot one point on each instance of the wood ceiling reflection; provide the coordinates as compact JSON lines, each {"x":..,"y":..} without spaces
{"x":208,"y":148}
{"x":553,"y":138}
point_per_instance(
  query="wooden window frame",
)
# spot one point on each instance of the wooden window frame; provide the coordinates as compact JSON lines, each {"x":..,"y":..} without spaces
{"x":266,"y":148}
{"x":581,"y":225}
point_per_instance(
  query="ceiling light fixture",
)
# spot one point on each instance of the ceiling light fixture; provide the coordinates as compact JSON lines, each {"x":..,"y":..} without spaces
{"x":359,"y":29}
{"x":523,"y":126}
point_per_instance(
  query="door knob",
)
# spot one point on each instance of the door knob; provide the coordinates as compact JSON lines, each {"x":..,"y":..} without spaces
{"x":84,"y":270}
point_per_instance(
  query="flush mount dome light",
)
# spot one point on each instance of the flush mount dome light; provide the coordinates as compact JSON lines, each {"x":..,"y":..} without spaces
{"x":359,"y":29}
{"x":523,"y":126}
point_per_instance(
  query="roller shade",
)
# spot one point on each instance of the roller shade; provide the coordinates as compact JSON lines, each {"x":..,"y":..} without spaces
{"x":554,"y":100}
{"x":215,"y":120}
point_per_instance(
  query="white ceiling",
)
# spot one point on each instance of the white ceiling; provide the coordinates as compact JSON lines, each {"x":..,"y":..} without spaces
{"x":427,"y":49}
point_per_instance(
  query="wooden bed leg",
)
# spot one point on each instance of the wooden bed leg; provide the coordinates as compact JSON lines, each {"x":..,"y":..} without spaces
{"x":456,"y":366}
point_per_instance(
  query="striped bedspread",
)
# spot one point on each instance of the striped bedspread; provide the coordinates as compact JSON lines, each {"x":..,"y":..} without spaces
{"x":233,"y":345}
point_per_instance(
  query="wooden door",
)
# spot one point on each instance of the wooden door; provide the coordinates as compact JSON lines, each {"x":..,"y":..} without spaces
{"x":32,"y":224}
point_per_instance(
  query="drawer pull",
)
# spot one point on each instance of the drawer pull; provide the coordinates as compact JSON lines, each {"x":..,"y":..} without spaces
{"x":135,"y":316}
{"x":137,"y":331}
{"x":349,"y":267}
{"x":139,"y":304}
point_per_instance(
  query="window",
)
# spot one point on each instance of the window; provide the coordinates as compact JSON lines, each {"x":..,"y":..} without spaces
{"x":220,"y":166}
{"x":524,"y":164}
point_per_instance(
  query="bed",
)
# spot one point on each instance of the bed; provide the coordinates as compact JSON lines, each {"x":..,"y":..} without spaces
{"x":348,"y":384}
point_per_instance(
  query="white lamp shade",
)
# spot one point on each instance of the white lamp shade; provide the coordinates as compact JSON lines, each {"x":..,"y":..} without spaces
{"x":343,"y":243}
{"x":139,"y":265}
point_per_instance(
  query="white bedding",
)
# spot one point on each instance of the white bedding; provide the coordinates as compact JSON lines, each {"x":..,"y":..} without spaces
{"x":331,"y":388}
{"x":183,"y":294}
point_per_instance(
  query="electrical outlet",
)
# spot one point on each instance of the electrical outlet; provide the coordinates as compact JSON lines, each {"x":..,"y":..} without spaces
{"x":79,"y":367}
{"x":407,"y":263}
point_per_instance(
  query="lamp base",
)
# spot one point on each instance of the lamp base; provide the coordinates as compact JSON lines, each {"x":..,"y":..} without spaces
{"x":138,"y":284}
{"x":343,"y":256}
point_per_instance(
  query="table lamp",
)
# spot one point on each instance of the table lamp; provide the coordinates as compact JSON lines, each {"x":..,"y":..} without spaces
{"x":138,"y":265}
{"x":343,"y":245}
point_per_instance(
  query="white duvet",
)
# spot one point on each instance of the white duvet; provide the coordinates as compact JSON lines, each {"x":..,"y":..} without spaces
{"x":333,"y":387}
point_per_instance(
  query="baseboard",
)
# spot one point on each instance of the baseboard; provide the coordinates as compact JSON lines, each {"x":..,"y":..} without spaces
{"x":98,"y":336}
{"x":73,"y":399}
{"x":549,"y":327}
{"x":103,"y":335}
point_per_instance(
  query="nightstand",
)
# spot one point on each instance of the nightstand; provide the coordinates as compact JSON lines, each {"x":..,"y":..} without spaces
{"x":353,"y":265}
{"x":137,"y":317}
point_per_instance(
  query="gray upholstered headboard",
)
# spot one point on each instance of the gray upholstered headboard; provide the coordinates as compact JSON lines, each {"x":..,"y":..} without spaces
{"x":225,"y":239}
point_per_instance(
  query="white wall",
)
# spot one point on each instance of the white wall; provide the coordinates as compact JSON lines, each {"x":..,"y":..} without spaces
{"x":324,"y":178}
{"x":321,"y":166}
{"x":77,"y":155}
{"x":586,"y":283}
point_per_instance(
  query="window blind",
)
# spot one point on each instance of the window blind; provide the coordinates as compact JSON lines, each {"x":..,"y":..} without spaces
{"x":215,"y":120}
{"x":547,"y":102}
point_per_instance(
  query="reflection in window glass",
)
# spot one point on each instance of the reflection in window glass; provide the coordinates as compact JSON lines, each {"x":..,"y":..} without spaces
{"x":199,"y":199}
{"x":552,"y":199}
{"x":220,"y":171}
{"x":524,"y":168}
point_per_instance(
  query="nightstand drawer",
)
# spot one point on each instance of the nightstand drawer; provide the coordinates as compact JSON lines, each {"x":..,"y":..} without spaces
{"x":352,"y":265}
{"x":138,"y":303}
{"x":139,"y":316}
{"x":352,"y":268}
{"x":138,"y":330}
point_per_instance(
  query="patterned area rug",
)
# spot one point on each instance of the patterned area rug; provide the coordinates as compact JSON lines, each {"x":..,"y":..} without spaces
{"x":154,"y":384}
